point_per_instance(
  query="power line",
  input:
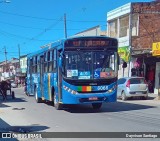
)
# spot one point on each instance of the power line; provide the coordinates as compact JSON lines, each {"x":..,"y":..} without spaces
{"x":21,"y":26}
{"x":26,"y":16}
{"x":85,"y":21}
{"x":19,"y":36}
{"x":48,"y":28}
{"x":41,"y":18}
{"x":35,"y":37}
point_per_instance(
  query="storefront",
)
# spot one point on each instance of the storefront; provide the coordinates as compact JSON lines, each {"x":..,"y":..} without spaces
{"x":144,"y":65}
{"x":147,"y":64}
{"x":138,"y":67}
{"x":156,"y":55}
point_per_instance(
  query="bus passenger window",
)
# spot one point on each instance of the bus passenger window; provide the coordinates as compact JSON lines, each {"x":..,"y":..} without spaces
{"x":49,"y":60}
{"x":38,"y":62}
{"x":53,"y":60}
{"x":31,"y":64}
{"x":45,"y":62}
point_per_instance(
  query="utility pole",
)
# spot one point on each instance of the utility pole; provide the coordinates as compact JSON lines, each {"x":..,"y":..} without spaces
{"x":5,"y":53}
{"x":19,"y":63}
{"x":65,"y":26}
{"x":130,"y":40}
{"x":19,"y":55}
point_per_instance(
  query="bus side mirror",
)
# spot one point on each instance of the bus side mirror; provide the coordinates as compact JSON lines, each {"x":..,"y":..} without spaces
{"x":60,"y":54}
{"x":62,"y":65}
{"x":118,"y":60}
{"x":60,"y":62}
{"x":124,"y":65}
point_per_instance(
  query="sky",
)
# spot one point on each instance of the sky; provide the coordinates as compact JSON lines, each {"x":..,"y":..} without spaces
{"x":31,"y":24}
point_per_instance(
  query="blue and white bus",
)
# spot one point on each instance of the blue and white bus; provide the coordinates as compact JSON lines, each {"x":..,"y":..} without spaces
{"x":78,"y":70}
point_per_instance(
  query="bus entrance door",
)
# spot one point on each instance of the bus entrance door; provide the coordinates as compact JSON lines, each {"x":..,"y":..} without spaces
{"x":31,"y":77}
{"x":59,"y":77}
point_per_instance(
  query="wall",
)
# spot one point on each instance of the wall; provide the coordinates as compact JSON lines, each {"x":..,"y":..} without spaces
{"x":23,"y":65}
{"x":95,"y":31}
{"x":149,"y":27}
{"x":116,"y":16}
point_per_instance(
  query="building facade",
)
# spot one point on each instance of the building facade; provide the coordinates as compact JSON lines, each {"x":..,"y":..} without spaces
{"x":23,"y":69}
{"x":8,"y":69}
{"x":93,"y":31}
{"x":136,"y":26}
{"x":14,"y":69}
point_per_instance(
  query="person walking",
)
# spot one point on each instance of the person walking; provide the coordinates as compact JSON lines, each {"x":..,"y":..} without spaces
{"x":151,"y":80}
{"x":3,"y":89}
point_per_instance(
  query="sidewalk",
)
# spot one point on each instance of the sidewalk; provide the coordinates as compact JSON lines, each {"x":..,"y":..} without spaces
{"x":151,"y":101}
{"x":153,"y":98}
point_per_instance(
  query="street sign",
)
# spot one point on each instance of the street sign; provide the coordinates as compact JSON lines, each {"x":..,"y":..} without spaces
{"x":156,"y":49}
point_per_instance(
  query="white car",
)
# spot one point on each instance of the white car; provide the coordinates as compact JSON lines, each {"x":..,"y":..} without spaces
{"x":132,"y":87}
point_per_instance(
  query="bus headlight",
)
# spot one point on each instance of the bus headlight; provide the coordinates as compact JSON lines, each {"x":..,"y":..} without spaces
{"x":112,"y":89}
{"x":69,"y":90}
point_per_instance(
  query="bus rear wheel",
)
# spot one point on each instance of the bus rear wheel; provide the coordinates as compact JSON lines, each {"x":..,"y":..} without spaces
{"x":38,"y":100}
{"x":57,"y":105}
{"x":96,"y":105}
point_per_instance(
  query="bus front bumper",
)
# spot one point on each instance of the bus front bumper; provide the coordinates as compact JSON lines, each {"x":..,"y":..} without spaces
{"x":69,"y":98}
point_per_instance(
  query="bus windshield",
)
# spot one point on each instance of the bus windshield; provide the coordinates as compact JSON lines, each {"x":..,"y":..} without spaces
{"x":90,"y":64}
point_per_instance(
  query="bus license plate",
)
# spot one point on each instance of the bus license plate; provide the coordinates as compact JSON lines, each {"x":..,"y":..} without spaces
{"x":93,"y":98}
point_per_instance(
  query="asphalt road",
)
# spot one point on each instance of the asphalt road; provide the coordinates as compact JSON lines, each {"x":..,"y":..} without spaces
{"x":23,"y":114}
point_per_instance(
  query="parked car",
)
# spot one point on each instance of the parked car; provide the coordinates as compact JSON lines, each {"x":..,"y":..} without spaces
{"x":132,"y":87}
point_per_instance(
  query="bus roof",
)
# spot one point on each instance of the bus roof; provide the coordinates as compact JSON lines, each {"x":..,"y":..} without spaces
{"x":81,"y":37}
{"x":62,"y":41}
{"x":45,"y":48}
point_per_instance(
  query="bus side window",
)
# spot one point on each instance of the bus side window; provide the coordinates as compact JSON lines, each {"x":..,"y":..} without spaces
{"x":28,"y":65}
{"x":36,"y":64}
{"x":49,"y":59}
{"x":31,"y":66}
{"x":45,"y":62}
{"x":54,"y":58}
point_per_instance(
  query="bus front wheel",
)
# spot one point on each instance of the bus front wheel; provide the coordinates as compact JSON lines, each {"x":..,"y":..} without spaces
{"x":96,"y":105}
{"x":57,"y":105}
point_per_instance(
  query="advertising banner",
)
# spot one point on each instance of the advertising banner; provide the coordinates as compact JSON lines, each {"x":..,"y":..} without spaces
{"x":124,"y":53}
{"x":156,"y":49}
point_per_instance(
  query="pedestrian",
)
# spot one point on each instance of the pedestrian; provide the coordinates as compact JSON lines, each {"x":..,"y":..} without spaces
{"x":3,"y":89}
{"x":151,"y":80}
{"x":9,"y":87}
{"x":17,"y":82}
{"x":1,"y":92}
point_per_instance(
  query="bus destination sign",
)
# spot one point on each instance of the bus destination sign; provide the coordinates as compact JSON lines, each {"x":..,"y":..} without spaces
{"x":89,"y":43}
